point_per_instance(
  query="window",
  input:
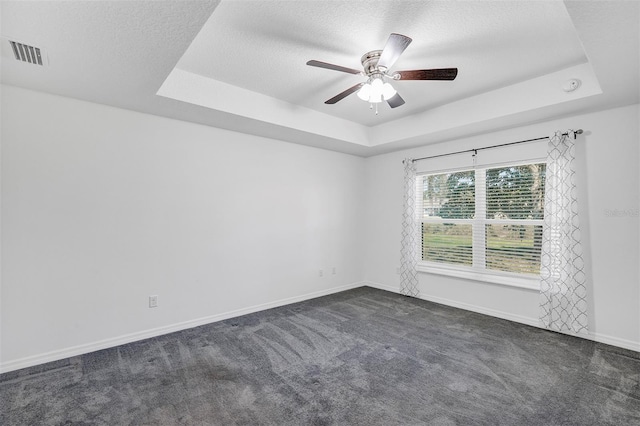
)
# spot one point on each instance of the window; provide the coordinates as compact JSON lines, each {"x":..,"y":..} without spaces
{"x":487,"y":221}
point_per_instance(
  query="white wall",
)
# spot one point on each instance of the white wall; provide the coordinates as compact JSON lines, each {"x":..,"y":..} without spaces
{"x":608,"y":180}
{"x":102,"y":207}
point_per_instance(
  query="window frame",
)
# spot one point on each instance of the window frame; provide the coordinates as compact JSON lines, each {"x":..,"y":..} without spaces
{"x":475,"y":272}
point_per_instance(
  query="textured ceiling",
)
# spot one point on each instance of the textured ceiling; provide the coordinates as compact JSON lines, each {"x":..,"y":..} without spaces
{"x":240,"y":65}
{"x":264,"y":46}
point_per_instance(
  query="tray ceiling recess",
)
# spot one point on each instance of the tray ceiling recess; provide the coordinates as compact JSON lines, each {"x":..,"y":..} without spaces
{"x":252,"y":61}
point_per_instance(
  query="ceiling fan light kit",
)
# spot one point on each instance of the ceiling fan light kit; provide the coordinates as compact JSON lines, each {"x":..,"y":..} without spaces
{"x":376,"y":65}
{"x":375,"y":90}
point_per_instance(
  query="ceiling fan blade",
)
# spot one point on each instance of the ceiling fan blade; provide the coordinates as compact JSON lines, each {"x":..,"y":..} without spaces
{"x":434,"y":74}
{"x":328,"y":66}
{"x":395,"y":101}
{"x":396,"y":44}
{"x":344,"y":94}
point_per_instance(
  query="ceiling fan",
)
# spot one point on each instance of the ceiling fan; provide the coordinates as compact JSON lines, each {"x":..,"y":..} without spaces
{"x":376,"y":68}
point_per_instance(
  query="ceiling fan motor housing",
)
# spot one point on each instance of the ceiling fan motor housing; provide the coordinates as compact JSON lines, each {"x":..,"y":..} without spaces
{"x":370,"y":62}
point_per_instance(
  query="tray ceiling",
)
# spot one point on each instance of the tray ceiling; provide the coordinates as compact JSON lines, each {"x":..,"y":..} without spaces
{"x":240,"y":65}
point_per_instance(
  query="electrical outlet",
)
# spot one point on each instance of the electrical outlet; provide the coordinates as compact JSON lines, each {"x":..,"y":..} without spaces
{"x":320,"y":273}
{"x":153,"y":301}
{"x":398,"y":270}
{"x":333,"y":271}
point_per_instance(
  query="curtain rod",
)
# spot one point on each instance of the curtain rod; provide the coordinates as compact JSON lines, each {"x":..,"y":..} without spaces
{"x":475,"y":150}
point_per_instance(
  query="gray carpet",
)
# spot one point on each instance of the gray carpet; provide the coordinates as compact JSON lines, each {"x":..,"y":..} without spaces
{"x":361,"y":357}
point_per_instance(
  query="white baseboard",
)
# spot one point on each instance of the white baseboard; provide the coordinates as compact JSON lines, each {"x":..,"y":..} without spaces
{"x":56,"y":355}
{"x":614,"y":341}
{"x":383,"y":287}
{"x":133,"y":337}
{"x":597,"y":337}
{"x":466,"y":306}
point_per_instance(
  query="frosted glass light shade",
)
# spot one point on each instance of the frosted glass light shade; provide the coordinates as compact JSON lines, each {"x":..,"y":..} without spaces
{"x":365,"y":92}
{"x":388,"y":91}
{"x":375,"y":91}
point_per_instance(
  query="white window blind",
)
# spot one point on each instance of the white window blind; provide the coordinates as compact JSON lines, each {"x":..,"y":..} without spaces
{"x":486,"y":219}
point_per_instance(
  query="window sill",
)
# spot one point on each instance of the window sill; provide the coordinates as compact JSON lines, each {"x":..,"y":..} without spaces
{"x":529,"y":283}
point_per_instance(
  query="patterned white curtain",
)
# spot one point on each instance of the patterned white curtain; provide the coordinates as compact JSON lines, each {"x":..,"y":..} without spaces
{"x":563,"y":292}
{"x":409,"y":248}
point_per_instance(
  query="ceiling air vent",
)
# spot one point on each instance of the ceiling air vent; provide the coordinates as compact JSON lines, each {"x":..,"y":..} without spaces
{"x":26,"y":53}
